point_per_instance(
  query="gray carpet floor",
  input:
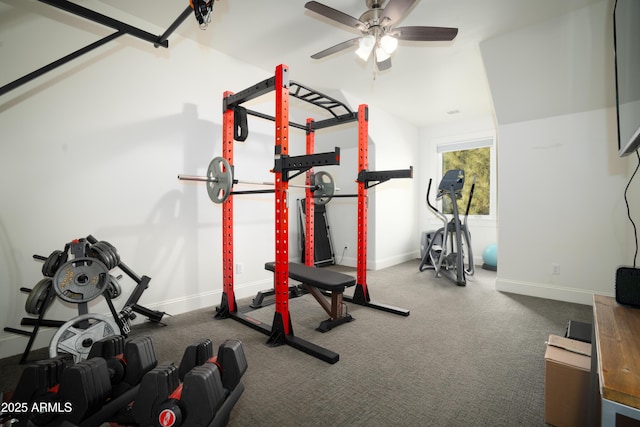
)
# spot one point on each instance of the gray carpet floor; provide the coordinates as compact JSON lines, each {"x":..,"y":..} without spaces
{"x":465,"y":356}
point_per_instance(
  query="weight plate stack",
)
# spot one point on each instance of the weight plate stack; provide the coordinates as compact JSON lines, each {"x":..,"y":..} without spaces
{"x":106,"y":253}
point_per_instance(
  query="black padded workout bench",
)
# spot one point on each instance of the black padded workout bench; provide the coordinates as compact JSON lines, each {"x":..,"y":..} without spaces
{"x":316,"y":279}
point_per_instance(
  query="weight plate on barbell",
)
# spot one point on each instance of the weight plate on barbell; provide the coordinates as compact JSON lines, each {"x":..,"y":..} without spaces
{"x":52,"y":263}
{"x":325,"y":187}
{"x":80,"y":280}
{"x":220,"y":180}
{"x":37,"y":299}
{"x":76,"y":336}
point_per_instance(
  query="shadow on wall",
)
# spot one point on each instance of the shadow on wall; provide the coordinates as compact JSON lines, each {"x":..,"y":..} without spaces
{"x":167,"y":243}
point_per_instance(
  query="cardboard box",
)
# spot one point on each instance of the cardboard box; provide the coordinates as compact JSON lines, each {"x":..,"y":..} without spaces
{"x":566,"y":384}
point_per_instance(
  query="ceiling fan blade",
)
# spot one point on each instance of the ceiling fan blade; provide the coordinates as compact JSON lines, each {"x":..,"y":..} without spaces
{"x":426,"y":34}
{"x":335,"y":15}
{"x":395,"y":10}
{"x":335,"y":49}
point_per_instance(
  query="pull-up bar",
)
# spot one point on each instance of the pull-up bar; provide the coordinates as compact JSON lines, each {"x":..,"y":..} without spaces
{"x":340,"y":112}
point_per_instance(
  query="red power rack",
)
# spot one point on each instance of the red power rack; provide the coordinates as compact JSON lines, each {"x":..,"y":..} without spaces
{"x":285,"y":168}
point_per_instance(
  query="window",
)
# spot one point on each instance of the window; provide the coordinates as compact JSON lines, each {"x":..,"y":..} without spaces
{"x":475,"y":158}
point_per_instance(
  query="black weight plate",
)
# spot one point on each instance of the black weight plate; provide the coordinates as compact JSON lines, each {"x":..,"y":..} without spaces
{"x":81,"y":280}
{"x":106,"y":250}
{"x":103,"y":254}
{"x":114,"y":254}
{"x":36,"y":300}
{"x":52,"y":263}
{"x":96,"y":252}
{"x":113,"y":287}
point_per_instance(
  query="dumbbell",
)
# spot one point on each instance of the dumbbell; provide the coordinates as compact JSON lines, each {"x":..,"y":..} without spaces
{"x":163,"y":400}
{"x":127,"y":361}
{"x":38,"y":383}
{"x":196,"y":392}
{"x":230,"y":360}
{"x":51,"y":393}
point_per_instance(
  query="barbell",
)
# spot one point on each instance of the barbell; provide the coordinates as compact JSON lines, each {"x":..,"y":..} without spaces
{"x":219,"y":181}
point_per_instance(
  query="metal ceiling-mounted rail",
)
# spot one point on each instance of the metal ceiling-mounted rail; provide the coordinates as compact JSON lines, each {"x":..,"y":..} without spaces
{"x":120,"y":27}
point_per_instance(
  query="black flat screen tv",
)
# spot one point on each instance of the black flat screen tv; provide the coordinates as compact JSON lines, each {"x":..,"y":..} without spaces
{"x":626,"y":41}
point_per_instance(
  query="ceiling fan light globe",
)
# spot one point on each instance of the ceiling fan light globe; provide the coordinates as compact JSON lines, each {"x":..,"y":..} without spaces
{"x":381,"y":55}
{"x":365,"y":46}
{"x":388,"y":44}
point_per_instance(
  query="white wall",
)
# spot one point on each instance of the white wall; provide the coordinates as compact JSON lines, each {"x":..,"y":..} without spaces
{"x":563,"y":205}
{"x":392,"y":204}
{"x":95,"y":147}
{"x":560,"y":181}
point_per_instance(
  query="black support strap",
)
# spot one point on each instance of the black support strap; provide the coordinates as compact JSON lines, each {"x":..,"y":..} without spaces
{"x":240,"y":127}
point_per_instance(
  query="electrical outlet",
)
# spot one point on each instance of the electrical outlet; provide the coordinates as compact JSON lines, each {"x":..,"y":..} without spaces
{"x":238,"y":268}
{"x":346,"y":248}
{"x":555,"y":268}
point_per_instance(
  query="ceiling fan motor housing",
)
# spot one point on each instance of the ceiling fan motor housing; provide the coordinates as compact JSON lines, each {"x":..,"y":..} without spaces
{"x":375,"y":4}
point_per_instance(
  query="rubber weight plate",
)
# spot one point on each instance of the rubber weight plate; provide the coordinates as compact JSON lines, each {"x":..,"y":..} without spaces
{"x":76,"y":336}
{"x":80,"y":280}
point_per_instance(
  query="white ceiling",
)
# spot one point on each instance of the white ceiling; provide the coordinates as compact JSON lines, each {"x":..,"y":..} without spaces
{"x":427,"y":80}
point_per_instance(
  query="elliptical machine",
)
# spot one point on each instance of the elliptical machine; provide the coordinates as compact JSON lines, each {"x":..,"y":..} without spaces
{"x":445,"y":247}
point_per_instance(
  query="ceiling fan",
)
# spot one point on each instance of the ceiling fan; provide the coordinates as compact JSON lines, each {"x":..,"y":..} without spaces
{"x":378,"y":34}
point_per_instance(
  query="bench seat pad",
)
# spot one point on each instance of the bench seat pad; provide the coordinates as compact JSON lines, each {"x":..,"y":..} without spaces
{"x":317,"y":277}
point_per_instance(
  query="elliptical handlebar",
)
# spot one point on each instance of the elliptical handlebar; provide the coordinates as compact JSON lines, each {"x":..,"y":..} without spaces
{"x":431,"y":207}
{"x":473,"y":186}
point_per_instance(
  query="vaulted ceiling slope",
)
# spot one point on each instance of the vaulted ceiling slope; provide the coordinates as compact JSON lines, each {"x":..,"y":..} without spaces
{"x":430,"y":83}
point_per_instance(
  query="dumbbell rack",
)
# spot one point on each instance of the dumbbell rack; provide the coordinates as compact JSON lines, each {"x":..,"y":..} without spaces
{"x":122,"y":383}
{"x":122,"y":319}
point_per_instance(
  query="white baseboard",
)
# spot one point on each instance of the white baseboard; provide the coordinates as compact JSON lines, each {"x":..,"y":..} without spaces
{"x":14,"y":344}
{"x":540,"y":290}
{"x":395,"y":260}
{"x":379,"y":264}
{"x":347,"y":261}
